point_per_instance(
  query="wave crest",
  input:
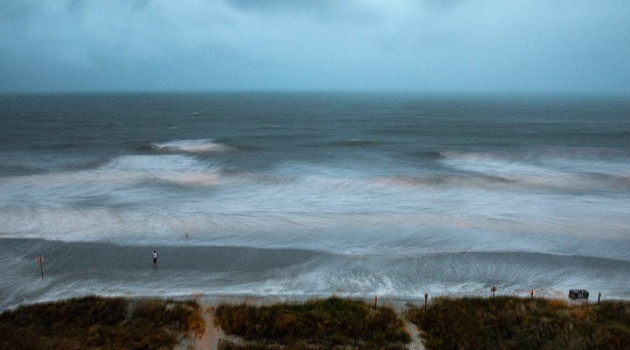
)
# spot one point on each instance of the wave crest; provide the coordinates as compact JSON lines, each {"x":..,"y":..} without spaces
{"x":191,"y":146}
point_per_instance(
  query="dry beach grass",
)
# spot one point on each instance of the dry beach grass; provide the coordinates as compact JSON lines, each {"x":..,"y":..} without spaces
{"x":333,"y":323}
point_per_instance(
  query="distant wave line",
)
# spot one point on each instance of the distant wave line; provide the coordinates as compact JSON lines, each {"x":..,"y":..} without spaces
{"x":191,"y":146}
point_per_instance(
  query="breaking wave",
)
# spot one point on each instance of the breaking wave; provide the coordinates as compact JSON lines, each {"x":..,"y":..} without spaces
{"x":396,"y":198}
{"x":540,"y":170}
{"x":191,"y":146}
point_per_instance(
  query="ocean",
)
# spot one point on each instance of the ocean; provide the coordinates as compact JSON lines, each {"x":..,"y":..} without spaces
{"x":300,"y":195}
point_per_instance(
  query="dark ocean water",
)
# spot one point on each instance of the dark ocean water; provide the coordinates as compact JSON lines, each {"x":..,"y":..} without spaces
{"x":298,"y":195}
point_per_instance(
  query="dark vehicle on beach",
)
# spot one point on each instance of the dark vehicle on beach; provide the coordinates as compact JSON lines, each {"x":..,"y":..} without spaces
{"x":578,"y":294}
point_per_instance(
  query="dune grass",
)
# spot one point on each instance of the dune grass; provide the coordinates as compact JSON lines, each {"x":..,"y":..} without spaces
{"x":462,"y":324}
{"x":515,"y":323}
{"x":99,"y":323}
{"x":319,"y":324}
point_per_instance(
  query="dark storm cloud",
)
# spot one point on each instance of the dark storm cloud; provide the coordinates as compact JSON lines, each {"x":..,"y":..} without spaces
{"x":434,"y":45}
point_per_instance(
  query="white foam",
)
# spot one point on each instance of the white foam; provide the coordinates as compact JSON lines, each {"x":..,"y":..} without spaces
{"x":493,"y":164}
{"x":155,"y":163}
{"x":298,"y":205}
{"x":528,"y":170}
{"x":127,"y":169}
{"x":192,"y":146}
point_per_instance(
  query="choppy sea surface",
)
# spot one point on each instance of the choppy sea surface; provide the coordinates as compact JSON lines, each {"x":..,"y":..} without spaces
{"x":313,"y":194}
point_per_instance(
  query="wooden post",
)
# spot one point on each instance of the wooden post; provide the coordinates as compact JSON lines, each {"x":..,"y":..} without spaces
{"x":40,"y":260}
{"x":532,"y":294}
{"x":426,"y":298}
{"x":375,"y":302}
{"x":599,"y":297}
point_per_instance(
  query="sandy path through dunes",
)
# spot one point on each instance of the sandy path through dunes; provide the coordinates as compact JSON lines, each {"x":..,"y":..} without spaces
{"x":212,"y":333}
{"x":210,"y":338}
{"x":414,"y":333}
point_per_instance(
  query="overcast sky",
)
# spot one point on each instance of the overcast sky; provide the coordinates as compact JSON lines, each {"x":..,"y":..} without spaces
{"x":541,"y":46}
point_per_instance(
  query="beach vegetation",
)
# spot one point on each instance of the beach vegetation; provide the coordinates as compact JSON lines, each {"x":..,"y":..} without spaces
{"x":516,"y":323}
{"x":320,"y":324}
{"x":98,"y":323}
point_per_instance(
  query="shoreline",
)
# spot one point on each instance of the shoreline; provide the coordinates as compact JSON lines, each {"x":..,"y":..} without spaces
{"x":213,"y":300}
{"x":74,"y":269}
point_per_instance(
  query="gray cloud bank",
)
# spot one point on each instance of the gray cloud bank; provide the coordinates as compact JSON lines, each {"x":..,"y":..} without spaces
{"x":558,"y":46}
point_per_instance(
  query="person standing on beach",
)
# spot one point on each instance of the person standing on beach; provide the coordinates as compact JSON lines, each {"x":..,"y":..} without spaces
{"x":155,"y":257}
